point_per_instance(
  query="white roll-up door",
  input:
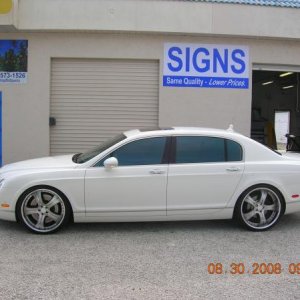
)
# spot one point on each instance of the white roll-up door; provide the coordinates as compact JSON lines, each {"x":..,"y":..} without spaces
{"x":93,"y":100}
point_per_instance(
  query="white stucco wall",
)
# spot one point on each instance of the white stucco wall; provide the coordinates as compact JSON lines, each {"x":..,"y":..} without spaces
{"x":26,"y":106}
{"x":161,"y":16}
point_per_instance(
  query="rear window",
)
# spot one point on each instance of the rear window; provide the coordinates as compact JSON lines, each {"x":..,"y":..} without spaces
{"x":234,"y":151}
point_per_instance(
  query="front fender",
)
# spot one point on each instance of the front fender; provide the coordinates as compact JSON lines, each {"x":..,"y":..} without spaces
{"x":69,"y":182}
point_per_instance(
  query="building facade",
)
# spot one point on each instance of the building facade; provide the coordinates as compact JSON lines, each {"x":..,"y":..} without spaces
{"x":95,"y":68}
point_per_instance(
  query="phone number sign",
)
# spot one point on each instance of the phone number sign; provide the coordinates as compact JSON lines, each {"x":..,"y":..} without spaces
{"x":13,"y":77}
{"x":13,"y":61}
{"x":207,"y":66}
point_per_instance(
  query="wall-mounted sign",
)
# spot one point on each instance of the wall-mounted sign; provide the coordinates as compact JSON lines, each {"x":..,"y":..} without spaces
{"x":0,"y":129}
{"x":209,"y":66}
{"x":13,"y":61}
{"x":5,"y":6}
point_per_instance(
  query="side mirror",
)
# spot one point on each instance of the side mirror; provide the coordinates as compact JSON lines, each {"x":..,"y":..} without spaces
{"x":110,"y":163}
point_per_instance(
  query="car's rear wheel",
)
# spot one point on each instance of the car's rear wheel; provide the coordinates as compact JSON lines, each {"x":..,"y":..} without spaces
{"x":259,"y":207}
{"x":43,"y":210}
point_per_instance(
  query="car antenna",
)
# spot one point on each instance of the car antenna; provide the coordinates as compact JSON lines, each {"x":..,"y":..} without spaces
{"x":230,"y":128}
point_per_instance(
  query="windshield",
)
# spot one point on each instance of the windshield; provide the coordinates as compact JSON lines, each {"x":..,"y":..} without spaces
{"x":81,"y":158}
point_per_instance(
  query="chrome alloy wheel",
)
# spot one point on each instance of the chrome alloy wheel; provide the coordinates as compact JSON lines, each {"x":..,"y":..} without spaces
{"x":43,"y":210}
{"x":261,"y":208}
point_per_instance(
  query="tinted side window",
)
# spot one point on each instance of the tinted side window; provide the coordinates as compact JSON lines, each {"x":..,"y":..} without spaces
{"x":199,"y":149}
{"x":142,"y":152}
{"x":234,"y":151}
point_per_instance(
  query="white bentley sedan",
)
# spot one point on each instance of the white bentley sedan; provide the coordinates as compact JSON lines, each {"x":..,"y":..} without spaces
{"x":155,"y":175}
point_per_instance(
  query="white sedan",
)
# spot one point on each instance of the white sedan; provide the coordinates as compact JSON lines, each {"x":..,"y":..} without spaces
{"x":155,"y":175}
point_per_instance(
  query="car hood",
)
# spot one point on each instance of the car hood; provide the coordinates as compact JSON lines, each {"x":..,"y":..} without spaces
{"x":62,"y":161}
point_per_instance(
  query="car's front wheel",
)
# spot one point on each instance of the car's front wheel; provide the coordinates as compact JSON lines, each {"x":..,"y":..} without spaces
{"x":259,"y":208}
{"x":43,"y":210}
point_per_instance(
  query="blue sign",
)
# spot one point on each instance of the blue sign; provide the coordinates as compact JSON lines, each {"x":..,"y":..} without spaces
{"x":209,"y":66}
{"x":0,"y":129}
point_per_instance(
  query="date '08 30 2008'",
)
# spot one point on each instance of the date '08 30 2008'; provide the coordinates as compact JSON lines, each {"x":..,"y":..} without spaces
{"x":255,"y":269}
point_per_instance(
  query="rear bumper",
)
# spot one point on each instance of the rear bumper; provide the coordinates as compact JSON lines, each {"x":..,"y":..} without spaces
{"x":292,"y":207}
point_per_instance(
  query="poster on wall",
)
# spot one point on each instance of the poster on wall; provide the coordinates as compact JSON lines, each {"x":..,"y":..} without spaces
{"x":13,"y":61}
{"x":206,"y":66}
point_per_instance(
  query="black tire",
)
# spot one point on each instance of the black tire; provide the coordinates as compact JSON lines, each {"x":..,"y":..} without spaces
{"x":259,"y":208}
{"x":43,"y":210}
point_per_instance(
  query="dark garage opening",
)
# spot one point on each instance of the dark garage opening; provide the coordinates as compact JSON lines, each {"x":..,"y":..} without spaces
{"x":275,"y":107}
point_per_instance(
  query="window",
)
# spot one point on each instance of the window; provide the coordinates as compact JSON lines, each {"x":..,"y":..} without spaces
{"x":201,"y":149}
{"x":234,"y":151}
{"x":141,"y":152}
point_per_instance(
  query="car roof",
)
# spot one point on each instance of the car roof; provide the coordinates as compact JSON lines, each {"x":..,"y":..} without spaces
{"x":180,"y":130}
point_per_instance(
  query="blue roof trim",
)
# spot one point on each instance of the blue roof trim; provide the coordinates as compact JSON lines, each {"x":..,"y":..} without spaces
{"x":277,"y":3}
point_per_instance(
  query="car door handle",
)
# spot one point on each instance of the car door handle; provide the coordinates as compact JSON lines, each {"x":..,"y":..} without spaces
{"x":157,"y":171}
{"x":233,"y":169}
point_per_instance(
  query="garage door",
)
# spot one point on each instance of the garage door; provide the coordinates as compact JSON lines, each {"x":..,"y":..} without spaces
{"x":93,"y":100}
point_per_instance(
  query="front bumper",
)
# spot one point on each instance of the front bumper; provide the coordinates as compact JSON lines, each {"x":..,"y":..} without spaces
{"x":7,"y":215}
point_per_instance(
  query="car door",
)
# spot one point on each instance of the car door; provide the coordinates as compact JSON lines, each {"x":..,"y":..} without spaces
{"x":136,"y":187}
{"x":204,"y":174}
